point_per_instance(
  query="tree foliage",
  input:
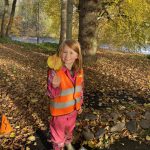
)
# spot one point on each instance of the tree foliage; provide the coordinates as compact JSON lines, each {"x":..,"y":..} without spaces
{"x":121,"y":23}
{"x":52,"y":11}
{"x":127,"y":22}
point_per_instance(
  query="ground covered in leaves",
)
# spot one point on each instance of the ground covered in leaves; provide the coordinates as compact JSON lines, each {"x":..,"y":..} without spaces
{"x":116,"y":99}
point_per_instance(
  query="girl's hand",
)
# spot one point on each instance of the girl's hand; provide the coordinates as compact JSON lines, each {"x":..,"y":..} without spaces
{"x":80,"y":111}
{"x":56,"y":81}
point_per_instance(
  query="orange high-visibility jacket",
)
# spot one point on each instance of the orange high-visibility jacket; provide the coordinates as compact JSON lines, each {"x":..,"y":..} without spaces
{"x":70,"y":96}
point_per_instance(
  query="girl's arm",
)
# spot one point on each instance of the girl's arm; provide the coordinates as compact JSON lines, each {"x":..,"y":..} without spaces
{"x":51,"y":91}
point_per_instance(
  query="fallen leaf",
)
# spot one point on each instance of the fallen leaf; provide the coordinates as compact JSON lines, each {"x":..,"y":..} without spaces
{"x":12,"y":135}
{"x":31,"y":138}
{"x":34,"y":100}
{"x":148,"y":138}
{"x":147,"y":105}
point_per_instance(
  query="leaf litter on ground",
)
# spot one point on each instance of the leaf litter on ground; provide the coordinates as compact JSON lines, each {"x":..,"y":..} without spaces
{"x":116,"y":93}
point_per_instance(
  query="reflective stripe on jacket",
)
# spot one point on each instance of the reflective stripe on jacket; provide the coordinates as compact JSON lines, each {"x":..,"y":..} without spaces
{"x":70,"y":96}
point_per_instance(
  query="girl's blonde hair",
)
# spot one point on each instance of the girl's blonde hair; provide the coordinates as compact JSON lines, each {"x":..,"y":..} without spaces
{"x":74,"y":45}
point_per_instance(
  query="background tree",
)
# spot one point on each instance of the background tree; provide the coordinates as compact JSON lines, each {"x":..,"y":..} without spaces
{"x":63,"y":20}
{"x":69,"y":19}
{"x":6,"y":5}
{"x":51,"y":13}
{"x":118,"y":24}
{"x":11,"y":17}
{"x":38,"y":21}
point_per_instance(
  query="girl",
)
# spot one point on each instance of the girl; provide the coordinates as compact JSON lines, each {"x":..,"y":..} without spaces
{"x":65,"y":88}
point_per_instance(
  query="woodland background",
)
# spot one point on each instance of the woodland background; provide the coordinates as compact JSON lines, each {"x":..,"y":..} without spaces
{"x":115,"y":24}
{"x":113,"y":35}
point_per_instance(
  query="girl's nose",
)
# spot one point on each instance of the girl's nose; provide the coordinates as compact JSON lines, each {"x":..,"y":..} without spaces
{"x":68,"y":55}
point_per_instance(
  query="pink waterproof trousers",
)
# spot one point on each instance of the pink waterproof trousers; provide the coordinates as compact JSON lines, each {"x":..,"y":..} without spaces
{"x":61,"y":129}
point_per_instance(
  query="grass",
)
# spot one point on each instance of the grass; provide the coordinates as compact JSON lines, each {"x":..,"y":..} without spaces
{"x":51,"y":47}
{"x":41,"y":47}
{"x":148,"y":56}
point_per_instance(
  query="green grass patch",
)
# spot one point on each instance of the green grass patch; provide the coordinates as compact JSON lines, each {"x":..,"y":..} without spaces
{"x":41,"y":47}
{"x":148,"y":56}
{"x":138,"y":57}
{"x":5,"y":40}
{"x":48,"y":47}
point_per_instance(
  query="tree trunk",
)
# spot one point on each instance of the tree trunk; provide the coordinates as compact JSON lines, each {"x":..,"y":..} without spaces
{"x":3,"y":18}
{"x":63,"y":20}
{"x":38,"y":23}
{"x":69,"y":19}
{"x":88,"y":11}
{"x":11,"y":17}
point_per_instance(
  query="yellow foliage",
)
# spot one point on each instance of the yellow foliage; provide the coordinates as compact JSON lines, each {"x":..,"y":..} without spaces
{"x":54,"y":62}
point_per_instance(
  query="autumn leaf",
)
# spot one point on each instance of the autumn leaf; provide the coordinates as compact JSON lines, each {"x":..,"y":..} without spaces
{"x":31,"y":138}
{"x":12,"y":135}
{"x":54,"y":62}
{"x":148,"y":138}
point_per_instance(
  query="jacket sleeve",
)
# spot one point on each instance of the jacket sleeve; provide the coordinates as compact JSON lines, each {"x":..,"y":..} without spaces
{"x":51,"y":91}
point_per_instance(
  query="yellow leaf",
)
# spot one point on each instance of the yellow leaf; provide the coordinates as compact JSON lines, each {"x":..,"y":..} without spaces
{"x":54,"y":62}
{"x":34,"y":100}
{"x":77,"y":123}
{"x":12,"y":135}
{"x":27,"y":148}
{"x":17,"y":127}
{"x":148,"y":138}
{"x":95,"y":113}
{"x":31,"y":138}
{"x":147,"y":105}
{"x":91,"y":144}
{"x":106,"y":136}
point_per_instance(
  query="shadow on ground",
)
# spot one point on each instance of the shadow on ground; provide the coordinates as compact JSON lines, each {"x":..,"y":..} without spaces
{"x":122,"y":144}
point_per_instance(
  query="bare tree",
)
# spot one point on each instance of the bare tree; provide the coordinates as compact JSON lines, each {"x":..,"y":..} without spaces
{"x":63,"y":20}
{"x":6,"y":2}
{"x":11,"y":17}
{"x":69,"y":19}
{"x":38,"y":22}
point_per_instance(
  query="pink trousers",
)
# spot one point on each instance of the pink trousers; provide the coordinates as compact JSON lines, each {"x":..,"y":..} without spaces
{"x":61,"y":129}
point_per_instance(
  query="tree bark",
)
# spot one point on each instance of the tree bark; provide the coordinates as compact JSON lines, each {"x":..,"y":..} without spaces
{"x":38,"y":22}
{"x":3,"y":18}
{"x":88,"y":12}
{"x":11,"y":17}
{"x":69,"y":19}
{"x":63,"y":20}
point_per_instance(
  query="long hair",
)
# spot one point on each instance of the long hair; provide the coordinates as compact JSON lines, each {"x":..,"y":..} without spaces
{"x":74,"y":45}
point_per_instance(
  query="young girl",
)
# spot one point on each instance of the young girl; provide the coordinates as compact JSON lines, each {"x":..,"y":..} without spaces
{"x":65,"y":89}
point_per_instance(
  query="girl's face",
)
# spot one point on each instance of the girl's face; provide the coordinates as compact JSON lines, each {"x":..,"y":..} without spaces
{"x":68,"y":56}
